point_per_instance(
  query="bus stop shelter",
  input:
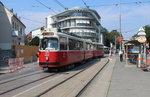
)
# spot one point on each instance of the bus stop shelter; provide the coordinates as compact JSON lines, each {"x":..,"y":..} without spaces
{"x":132,"y":50}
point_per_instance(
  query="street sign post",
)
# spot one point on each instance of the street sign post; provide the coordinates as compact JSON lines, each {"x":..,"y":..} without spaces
{"x":142,"y":39}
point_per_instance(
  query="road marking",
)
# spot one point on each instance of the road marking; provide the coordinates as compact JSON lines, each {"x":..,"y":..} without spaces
{"x":36,"y":86}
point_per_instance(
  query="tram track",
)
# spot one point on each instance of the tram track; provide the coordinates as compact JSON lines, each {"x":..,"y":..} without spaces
{"x":62,"y":82}
{"x":59,"y":84}
{"x":22,"y":76}
{"x":47,"y":83}
{"x":26,"y":84}
{"x":51,"y":84}
{"x":83,"y":89}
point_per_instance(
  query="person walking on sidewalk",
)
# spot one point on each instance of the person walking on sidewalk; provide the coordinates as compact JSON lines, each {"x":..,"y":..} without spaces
{"x":121,"y":55}
{"x":110,"y":53}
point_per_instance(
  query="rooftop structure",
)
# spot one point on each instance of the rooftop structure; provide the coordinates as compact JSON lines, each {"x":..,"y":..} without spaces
{"x":80,"y":21}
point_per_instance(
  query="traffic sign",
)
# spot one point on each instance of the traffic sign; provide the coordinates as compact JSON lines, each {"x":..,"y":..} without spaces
{"x":120,"y":38}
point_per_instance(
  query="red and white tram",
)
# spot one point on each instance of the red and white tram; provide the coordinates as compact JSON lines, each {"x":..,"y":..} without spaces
{"x":60,"y":50}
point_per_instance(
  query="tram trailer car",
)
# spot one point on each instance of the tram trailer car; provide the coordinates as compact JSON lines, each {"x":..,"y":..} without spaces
{"x":98,"y":50}
{"x":59,"y":50}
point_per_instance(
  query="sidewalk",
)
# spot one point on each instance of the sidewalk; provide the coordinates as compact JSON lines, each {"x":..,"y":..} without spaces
{"x":129,"y":81}
{"x":27,"y":66}
{"x":120,"y":80}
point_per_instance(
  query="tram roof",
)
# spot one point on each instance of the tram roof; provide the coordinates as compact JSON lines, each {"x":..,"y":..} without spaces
{"x":70,"y":36}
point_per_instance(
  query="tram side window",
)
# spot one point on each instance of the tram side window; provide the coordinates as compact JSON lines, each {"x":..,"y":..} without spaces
{"x":43,"y":44}
{"x":99,"y":47}
{"x":94,"y":47}
{"x":63,"y":43}
{"x":81,"y":45}
{"x":88,"y":47}
{"x":75,"y":44}
{"x":72,"y":44}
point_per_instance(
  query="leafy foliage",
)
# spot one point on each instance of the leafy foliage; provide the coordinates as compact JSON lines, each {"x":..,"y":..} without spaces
{"x":106,"y":37}
{"x":147,"y":31}
{"x":35,"y":41}
{"x":112,"y":35}
{"x":135,"y":35}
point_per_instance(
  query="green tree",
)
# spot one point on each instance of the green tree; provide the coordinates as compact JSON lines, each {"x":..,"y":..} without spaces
{"x":106,"y":37}
{"x":147,"y":31}
{"x":34,"y":41}
{"x":112,"y":35}
{"x":135,"y":35}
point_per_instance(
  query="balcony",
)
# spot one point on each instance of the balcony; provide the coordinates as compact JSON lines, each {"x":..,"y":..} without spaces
{"x":15,"y":33}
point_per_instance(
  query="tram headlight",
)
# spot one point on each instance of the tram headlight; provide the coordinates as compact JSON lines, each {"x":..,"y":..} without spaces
{"x":46,"y":58}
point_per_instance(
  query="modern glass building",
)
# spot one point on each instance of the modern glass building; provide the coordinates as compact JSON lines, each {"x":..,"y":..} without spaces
{"x":79,"y":21}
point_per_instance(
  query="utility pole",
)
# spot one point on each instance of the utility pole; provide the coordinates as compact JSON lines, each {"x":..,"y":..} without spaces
{"x":115,"y":32}
{"x":120,"y":24}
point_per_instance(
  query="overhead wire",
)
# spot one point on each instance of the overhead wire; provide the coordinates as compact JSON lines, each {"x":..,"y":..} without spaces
{"x":135,"y":28}
{"x":85,"y":4}
{"x":116,"y":4}
{"x":126,"y":3}
{"x":60,"y":4}
{"x":32,"y":20}
{"x":45,"y":5}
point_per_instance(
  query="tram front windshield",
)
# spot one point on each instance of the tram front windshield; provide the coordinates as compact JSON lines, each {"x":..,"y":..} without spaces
{"x":49,"y":44}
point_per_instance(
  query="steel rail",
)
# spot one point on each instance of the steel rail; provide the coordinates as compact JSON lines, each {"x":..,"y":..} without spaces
{"x":23,"y":76}
{"x":58,"y":84}
{"x":83,"y":89}
{"x":26,"y":84}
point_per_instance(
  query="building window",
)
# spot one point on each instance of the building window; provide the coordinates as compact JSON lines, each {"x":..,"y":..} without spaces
{"x":13,"y":25}
{"x":65,"y":23}
{"x":68,"y":23}
{"x":21,"y":31}
{"x":85,"y":14}
{"x":73,"y":23}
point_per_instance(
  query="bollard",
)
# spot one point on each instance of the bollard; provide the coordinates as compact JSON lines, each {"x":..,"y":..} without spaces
{"x":139,"y":59}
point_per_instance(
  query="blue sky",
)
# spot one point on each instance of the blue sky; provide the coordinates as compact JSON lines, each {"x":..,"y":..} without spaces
{"x":133,"y":15}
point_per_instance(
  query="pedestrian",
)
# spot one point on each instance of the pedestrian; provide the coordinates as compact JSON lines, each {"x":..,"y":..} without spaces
{"x":121,"y":55}
{"x":110,"y":53}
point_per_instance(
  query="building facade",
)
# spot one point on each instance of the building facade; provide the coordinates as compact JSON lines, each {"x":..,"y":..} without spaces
{"x":79,"y":21}
{"x":36,"y":32}
{"x":12,"y":30}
